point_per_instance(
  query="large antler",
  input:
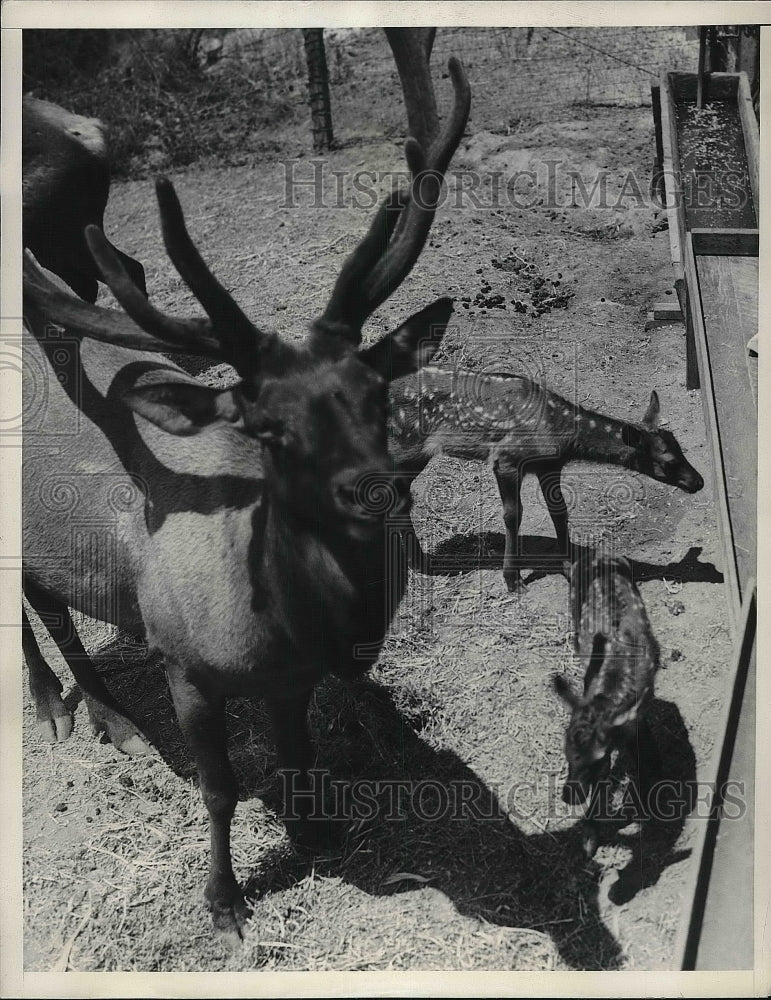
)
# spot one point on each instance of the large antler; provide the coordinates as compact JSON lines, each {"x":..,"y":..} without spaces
{"x":54,"y":305}
{"x":226,"y":335}
{"x":399,"y":231}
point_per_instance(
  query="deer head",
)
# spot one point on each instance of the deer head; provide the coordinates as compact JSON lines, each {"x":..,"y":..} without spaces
{"x":657,"y":454}
{"x":589,"y":738}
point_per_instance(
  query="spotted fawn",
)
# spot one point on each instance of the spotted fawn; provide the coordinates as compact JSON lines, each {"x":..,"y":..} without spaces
{"x":518,"y":426}
{"x":620,"y":656}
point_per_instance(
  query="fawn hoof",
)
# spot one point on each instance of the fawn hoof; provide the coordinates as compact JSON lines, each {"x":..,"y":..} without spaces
{"x":229,"y":919}
{"x":513,"y":581}
{"x":122,"y":733}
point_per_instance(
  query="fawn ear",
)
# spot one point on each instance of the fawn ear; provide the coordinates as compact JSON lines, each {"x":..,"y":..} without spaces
{"x":414,"y":344}
{"x":564,"y":690}
{"x":181,"y":408}
{"x":651,"y":417}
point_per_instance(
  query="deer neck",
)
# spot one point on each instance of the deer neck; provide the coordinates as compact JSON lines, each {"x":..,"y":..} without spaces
{"x":599,"y":438}
{"x":327,"y":592}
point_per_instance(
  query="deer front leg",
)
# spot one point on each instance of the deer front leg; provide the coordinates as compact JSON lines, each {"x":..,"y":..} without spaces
{"x":202,"y":719}
{"x":303,"y":793}
{"x":549,"y":481}
{"x":509,"y":479}
{"x":105,"y":713}
{"x":54,"y":722}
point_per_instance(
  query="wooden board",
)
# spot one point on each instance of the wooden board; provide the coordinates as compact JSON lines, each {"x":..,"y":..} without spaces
{"x":712,"y":427}
{"x":729,"y":300}
{"x":717,"y":931}
{"x":733,"y":242}
{"x":671,"y":168}
{"x":751,"y":135}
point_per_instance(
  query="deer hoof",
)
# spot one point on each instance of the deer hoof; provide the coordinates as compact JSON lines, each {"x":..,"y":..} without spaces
{"x":122,"y":733}
{"x":229,"y":920}
{"x":513,"y":582}
{"x":56,"y":729}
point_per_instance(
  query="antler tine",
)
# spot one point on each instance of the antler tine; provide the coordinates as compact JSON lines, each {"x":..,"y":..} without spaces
{"x":409,"y":240}
{"x":240,"y":338}
{"x":398,"y":233}
{"x":344,"y":314}
{"x":56,"y":306}
{"x":184,"y":335}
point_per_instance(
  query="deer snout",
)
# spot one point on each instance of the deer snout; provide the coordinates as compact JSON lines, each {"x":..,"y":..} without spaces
{"x":692,"y":482}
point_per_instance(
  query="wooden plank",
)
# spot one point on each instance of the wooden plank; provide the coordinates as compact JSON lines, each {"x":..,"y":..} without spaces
{"x":692,"y":380}
{"x":671,"y":167}
{"x":702,"y":59}
{"x":722,"y":86}
{"x":733,"y":242}
{"x":716,"y":931}
{"x":656,"y":108}
{"x":712,"y":428}
{"x":751,"y":137}
{"x":668,"y":310}
{"x":729,"y":301}
{"x":728,"y":928}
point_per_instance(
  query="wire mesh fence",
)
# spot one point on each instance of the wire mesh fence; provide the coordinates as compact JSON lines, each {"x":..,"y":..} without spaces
{"x":512,"y":70}
{"x":175,"y":97}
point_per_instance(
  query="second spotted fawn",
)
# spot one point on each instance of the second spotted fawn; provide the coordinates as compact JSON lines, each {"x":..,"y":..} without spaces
{"x":620,"y":656}
{"x":518,"y":426}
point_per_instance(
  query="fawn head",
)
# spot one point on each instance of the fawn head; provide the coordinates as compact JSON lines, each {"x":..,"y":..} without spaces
{"x":656,"y":452}
{"x":589,"y":738}
{"x":319,"y":409}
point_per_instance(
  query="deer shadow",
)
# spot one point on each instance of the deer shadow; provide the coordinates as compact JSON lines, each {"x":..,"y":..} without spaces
{"x":467,"y":553}
{"x":428,"y":813}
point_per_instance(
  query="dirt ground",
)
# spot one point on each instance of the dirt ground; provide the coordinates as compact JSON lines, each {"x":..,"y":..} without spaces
{"x":116,"y":849}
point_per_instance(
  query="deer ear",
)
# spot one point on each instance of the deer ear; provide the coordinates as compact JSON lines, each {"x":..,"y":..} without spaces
{"x":414,"y":344}
{"x":651,"y":417}
{"x":564,"y":690}
{"x":182,"y":408}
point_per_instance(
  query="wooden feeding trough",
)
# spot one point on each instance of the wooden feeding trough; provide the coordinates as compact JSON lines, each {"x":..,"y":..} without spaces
{"x":707,"y":145}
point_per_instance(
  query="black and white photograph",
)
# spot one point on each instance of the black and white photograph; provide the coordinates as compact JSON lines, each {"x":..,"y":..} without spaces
{"x":381,"y":423}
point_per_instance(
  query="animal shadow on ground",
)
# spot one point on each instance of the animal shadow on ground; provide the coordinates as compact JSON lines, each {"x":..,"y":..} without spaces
{"x":425,"y":811}
{"x":467,"y":553}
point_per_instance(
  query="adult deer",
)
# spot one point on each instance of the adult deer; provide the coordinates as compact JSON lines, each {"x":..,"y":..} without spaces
{"x":65,"y":185}
{"x":255,"y":556}
{"x":518,"y":426}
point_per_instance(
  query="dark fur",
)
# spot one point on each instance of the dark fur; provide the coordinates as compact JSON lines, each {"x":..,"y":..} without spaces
{"x":65,"y":185}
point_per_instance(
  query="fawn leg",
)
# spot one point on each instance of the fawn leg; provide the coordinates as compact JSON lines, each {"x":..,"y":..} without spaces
{"x":54,"y":722}
{"x":105,"y":713}
{"x":304,"y":817}
{"x":549,"y":481}
{"x":509,"y":479}
{"x":202,"y":720}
